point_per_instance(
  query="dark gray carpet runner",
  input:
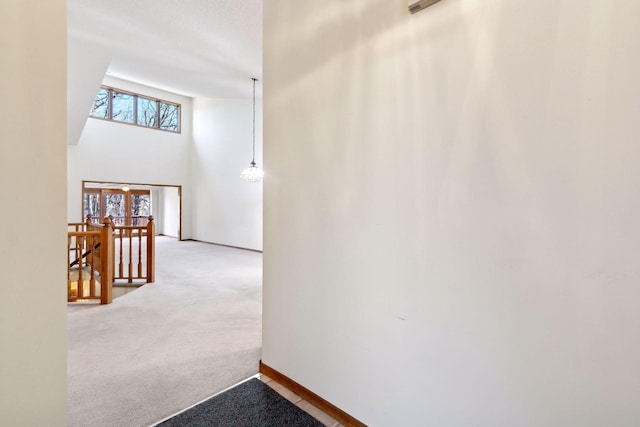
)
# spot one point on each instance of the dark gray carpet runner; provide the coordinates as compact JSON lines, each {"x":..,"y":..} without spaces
{"x":250,"y":404}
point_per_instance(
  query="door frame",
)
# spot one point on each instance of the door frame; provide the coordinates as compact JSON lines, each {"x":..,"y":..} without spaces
{"x":99,"y":186}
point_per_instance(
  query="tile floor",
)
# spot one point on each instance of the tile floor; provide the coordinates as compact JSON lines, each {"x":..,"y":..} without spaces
{"x":300,"y":402}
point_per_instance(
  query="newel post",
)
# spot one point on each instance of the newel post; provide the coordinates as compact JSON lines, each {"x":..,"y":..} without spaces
{"x":106,"y":264}
{"x":151,"y":250}
{"x":87,"y":222}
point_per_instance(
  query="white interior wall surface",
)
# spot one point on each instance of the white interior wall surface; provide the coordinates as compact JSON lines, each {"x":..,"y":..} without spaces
{"x":33,"y":118}
{"x":170,"y":211}
{"x":226,"y":209}
{"x":451,"y":209}
{"x":115,"y":152}
{"x":86,"y":68}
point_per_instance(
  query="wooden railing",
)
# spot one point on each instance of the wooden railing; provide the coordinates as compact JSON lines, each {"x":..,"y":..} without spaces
{"x":101,"y":255}
{"x":90,"y":259}
{"x":134,"y":252}
{"x":136,"y":220}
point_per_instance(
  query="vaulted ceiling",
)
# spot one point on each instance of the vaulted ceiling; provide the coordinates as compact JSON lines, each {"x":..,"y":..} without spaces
{"x":197,"y":48}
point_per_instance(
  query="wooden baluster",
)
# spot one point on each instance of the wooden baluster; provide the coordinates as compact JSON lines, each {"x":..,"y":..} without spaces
{"x":91,"y":262}
{"x":106,"y":262}
{"x":139,"y":253}
{"x":78,"y":251}
{"x":82,"y":248}
{"x":69,"y":268}
{"x":151,"y":249}
{"x":130,"y":278}
{"x":114,"y":233}
{"x":80,"y":267}
{"x":121,"y":266}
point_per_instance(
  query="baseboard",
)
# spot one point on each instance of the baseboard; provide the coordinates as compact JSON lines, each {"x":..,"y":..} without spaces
{"x":311,"y":397}
{"x":220,"y":244}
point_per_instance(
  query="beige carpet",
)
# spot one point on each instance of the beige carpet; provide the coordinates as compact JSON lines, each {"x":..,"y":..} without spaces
{"x":170,"y":344}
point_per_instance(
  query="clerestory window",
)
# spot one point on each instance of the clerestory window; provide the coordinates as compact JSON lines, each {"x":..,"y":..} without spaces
{"x":132,"y":108}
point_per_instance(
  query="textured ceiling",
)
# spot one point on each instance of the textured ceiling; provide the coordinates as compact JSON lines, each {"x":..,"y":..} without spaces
{"x":198,"y":48}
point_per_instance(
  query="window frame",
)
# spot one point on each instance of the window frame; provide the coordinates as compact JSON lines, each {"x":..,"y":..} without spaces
{"x":127,"y":219}
{"x":136,"y":96}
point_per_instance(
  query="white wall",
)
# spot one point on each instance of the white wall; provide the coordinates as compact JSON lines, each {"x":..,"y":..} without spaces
{"x":115,"y":152}
{"x":226,"y":209}
{"x":86,"y":68}
{"x":33,"y":212}
{"x":170,"y":211}
{"x":451,"y":213}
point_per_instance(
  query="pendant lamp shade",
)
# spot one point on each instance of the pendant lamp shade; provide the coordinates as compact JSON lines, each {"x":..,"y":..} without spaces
{"x":252,"y":173}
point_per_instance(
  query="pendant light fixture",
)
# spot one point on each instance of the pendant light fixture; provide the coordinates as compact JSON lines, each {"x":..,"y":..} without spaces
{"x":253,"y":173}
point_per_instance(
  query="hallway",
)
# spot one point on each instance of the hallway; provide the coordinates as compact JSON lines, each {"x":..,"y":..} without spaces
{"x":169,"y":344}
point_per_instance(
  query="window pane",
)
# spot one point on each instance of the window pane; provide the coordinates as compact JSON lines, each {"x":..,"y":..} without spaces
{"x":169,"y":117}
{"x":100,"y":107}
{"x":114,"y":205}
{"x":147,"y":112}
{"x":122,"y":107}
{"x":140,"y":209}
{"x":92,"y":206}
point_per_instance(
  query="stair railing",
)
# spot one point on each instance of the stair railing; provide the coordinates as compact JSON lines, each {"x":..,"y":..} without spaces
{"x":90,"y":248}
{"x":134,"y":253}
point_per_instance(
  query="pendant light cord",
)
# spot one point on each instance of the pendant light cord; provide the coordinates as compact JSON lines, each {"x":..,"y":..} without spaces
{"x":253,"y":160}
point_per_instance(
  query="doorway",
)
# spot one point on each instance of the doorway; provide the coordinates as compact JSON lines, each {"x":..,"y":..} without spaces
{"x":132,"y":204}
{"x":125,"y":207}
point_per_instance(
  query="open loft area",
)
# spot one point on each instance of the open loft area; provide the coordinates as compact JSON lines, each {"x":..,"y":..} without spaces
{"x":204,"y":160}
{"x":167,"y":118}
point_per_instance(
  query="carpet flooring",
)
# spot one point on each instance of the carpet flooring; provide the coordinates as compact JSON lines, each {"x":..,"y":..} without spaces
{"x":155,"y":351}
{"x":250,"y":404}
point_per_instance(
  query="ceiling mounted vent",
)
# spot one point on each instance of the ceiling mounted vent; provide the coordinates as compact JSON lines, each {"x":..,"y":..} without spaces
{"x":417,"y":6}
